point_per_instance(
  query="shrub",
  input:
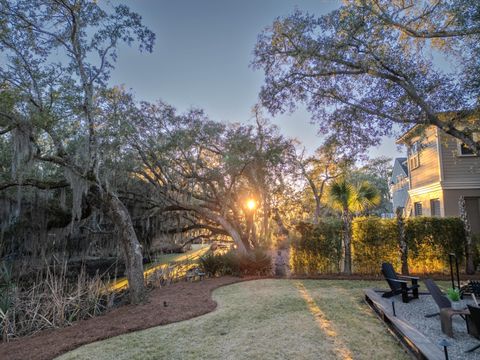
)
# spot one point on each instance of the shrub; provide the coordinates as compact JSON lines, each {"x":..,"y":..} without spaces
{"x":256,"y":262}
{"x":430,"y":240}
{"x":319,"y":250}
{"x":211,"y":264}
{"x":231,"y":264}
{"x":375,"y":240}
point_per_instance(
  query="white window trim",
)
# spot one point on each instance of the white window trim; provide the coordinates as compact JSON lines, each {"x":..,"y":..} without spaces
{"x":459,"y":151}
{"x":476,"y":137}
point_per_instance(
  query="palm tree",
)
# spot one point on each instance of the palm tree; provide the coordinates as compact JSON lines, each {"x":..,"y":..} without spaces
{"x":352,"y":198}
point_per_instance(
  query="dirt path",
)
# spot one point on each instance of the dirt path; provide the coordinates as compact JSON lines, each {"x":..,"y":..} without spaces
{"x":184,"y":300}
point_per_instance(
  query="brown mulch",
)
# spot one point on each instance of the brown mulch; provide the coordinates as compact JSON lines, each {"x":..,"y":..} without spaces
{"x":184,"y":300}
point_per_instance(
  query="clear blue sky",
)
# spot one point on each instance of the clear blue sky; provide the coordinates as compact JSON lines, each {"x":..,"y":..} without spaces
{"x":201,"y":59}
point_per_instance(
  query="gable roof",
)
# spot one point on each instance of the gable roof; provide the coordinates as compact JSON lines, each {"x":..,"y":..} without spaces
{"x":399,"y":168}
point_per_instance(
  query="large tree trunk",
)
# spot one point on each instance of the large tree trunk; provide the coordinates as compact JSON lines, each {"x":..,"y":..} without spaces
{"x":223,"y":222}
{"x":132,"y":250}
{"x":402,"y":243}
{"x":347,"y":242}
{"x":470,"y":267}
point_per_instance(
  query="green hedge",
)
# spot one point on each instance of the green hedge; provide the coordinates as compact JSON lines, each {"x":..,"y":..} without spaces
{"x":430,"y":240}
{"x":326,"y":239}
{"x":374,"y":240}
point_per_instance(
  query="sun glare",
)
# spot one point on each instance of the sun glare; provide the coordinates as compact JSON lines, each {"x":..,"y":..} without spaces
{"x":251,"y":204}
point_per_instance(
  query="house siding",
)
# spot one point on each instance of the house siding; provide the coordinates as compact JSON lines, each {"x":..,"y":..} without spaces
{"x":451,"y":206}
{"x":399,"y":184}
{"x":428,"y":171}
{"x":425,"y":199}
{"x":458,"y":169}
{"x":399,"y":194}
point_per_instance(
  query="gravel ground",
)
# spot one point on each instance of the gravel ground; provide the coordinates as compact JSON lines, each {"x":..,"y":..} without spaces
{"x":414,"y":312}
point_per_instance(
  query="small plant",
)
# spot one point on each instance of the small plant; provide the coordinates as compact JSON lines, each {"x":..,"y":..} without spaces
{"x":211,"y":264}
{"x":453,"y":294}
{"x":231,"y":264}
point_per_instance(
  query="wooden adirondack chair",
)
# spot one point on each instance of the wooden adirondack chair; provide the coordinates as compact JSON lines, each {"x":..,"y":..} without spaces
{"x":399,"y":284}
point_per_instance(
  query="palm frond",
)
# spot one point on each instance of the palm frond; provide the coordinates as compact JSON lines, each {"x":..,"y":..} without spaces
{"x":345,"y":195}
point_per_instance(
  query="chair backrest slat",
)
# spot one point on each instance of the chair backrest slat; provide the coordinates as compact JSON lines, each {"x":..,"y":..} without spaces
{"x":474,"y":287}
{"x":475,"y":319}
{"x":389,"y":273}
{"x":440,"y":299}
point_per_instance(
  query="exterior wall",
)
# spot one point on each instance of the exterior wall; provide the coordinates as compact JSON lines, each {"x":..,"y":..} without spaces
{"x":399,"y":184}
{"x":472,"y":198}
{"x":424,"y":196}
{"x":429,"y":170}
{"x":444,"y":174}
{"x":399,"y":194}
{"x":458,"y":170}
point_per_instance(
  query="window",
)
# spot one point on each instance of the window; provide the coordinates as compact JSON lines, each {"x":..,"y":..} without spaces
{"x":413,"y":155}
{"x":414,"y":148}
{"x":414,"y":161}
{"x":417,"y":208}
{"x":465,"y":150}
{"x":435,"y":207}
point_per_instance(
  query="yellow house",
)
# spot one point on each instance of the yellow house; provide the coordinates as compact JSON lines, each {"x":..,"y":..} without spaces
{"x":441,"y":170}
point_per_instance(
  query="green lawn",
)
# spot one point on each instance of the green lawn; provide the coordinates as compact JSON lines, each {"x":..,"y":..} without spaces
{"x":265,"y":319}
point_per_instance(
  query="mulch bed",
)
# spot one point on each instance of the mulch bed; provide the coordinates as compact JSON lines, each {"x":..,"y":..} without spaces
{"x":184,"y":300}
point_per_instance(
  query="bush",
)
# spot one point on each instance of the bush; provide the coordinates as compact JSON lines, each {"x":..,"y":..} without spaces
{"x":231,"y":263}
{"x":375,"y":240}
{"x":431,"y":239}
{"x":256,"y":262}
{"x":212,"y":264}
{"x":319,"y":250}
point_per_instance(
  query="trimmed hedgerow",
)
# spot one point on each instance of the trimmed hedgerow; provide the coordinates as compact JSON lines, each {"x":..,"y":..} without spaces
{"x":374,"y":240}
{"x":319,"y":250}
{"x":431,"y":239}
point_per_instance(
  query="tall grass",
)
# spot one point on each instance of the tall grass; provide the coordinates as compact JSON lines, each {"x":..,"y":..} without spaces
{"x":51,"y":301}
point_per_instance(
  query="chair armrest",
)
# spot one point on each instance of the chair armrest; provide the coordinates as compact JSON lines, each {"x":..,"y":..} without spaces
{"x":398,"y":281}
{"x":409,"y":277}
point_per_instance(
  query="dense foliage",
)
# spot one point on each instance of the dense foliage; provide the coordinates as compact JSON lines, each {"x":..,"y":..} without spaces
{"x":257,"y":262}
{"x":325,"y":238}
{"x":367,"y":68}
{"x":375,"y":240}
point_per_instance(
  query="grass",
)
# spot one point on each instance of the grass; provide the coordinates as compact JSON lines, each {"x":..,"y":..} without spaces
{"x":197,"y":250}
{"x":265,"y":319}
{"x":162,"y":262}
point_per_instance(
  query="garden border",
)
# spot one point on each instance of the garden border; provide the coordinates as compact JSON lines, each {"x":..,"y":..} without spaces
{"x":418,"y":344}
